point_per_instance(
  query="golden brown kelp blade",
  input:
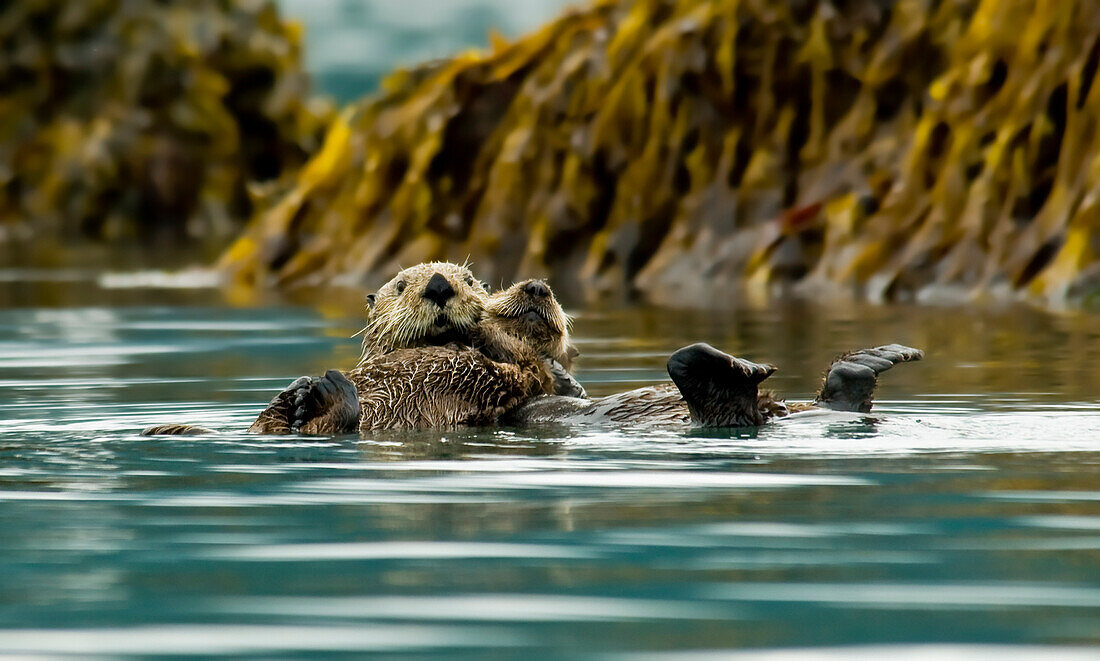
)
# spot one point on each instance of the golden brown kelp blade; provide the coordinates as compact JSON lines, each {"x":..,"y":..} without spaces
{"x":896,"y":149}
{"x":139,"y":118}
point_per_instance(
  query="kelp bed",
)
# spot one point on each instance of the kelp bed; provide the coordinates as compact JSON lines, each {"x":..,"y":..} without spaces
{"x":136,"y":118}
{"x":683,"y":150}
{"x":678,"y":149}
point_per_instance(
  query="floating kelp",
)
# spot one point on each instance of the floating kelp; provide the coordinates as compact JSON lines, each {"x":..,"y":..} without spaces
{"x":679,"y":149}
{"x":123,"y":118}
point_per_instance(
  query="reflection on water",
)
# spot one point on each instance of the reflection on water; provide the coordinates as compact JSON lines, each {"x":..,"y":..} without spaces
{"x":965,"y":511}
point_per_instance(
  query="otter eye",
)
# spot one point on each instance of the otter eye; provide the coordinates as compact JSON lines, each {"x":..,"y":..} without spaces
{"x":470,"y":280}
{"x":400,"y":286}
{"x":488,"y":289}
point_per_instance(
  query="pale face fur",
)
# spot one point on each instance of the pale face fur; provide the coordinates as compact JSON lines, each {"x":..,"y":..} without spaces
{"x":409,"y":310}
{"x":529,"y":312}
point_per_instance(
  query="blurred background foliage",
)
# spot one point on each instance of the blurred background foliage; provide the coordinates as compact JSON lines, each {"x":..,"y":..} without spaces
{"x":680,"y":148}
{"x":681,"y":151}
{"x":138,"y":119}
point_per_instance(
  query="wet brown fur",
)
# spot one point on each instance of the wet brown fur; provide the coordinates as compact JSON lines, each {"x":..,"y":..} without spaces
{"x":659,"y":404}
{"x":416,"y":373}
{"x":455,"y":385}
{"x":537,"y":320}
{"x":479,"y":359}
{"x":495,"y":373}
{"x":443,"y":387}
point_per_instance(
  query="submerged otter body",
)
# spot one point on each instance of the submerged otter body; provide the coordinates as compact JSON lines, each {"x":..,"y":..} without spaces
{"x":713,"y":389}
{"x":709,"y":388}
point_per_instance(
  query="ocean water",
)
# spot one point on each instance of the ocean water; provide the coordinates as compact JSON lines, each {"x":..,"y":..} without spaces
{"x":350,"y":45}
{"x":960,"y":519}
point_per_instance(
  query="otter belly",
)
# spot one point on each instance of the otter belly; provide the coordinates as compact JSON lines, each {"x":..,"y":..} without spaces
{"x":441,"y":387}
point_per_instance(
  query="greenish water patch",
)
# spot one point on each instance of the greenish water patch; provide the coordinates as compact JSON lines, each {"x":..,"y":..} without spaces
{"x":964,"y":513}
{"x":351,"y":45}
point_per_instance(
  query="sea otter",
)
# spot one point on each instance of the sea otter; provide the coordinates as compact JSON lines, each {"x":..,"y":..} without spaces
{"x":528,"y":312}
{"x":517,"y":350}
{"x":430,"y":304}
{"x":430,"y":358}
{"x":493,"y":370}
{"x":709,"y":389}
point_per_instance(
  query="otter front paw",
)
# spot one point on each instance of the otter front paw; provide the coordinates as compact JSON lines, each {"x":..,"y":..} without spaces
{"x":564,"y":383}
{"x":325,"y":405}
{"x":279,"y":414}
{"x":305,"y":404}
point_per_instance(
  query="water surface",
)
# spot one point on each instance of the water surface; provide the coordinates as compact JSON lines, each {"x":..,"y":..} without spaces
{"x":961,"y":518}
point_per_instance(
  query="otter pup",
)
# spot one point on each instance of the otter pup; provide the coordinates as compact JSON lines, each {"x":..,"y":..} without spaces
{"x":529,"y":312}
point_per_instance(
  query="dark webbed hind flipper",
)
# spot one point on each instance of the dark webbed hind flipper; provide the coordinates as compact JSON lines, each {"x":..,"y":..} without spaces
{"x":564,"y":383}
{"x":720,"y":390}
{"x":851,"y":379}
{"x":312,"y":405}
{"x":175,"y":430}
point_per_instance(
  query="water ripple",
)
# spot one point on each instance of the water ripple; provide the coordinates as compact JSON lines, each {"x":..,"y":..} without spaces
{"x":212,"y":639}
{"x":400,"y":551}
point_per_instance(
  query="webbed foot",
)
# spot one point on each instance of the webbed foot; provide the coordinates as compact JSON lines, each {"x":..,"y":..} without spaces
{"x":851,"y":379}
{"x":720,"y":390}
{"x":564,"y":383}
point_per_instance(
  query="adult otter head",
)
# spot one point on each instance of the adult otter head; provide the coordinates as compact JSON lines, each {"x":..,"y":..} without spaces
{"x":428,"y":304}
{"x":529,"y":312}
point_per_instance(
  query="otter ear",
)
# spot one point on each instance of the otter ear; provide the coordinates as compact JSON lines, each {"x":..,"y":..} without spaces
{"x":371,"y":298}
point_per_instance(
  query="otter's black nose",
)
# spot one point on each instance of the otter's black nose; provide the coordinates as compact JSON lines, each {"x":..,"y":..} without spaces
{"x":438,"y":290}
{"x":536,"y":289}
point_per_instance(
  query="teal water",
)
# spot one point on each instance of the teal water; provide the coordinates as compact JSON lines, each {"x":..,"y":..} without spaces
{"x":960,"y":520}
{"x":351,"y":45}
